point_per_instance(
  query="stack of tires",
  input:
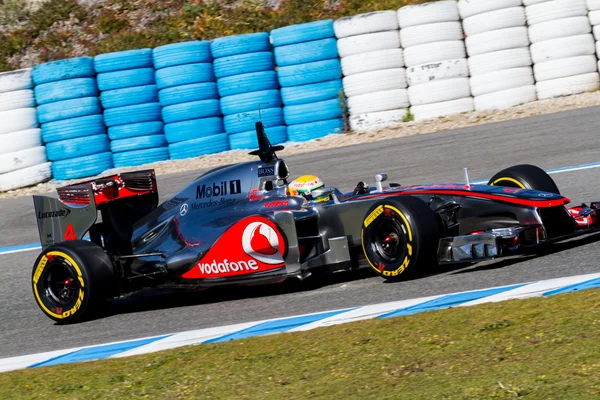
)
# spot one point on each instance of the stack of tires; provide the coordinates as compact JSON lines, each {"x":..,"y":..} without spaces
{"x":373,"y":68}
{"x":23,"y":159}
{"x":310,"y":75}
{"x":244,"y":67}
{"x":188,"y":94}
{"x":131,"y":108}
{"x":435,"y":57}
{"x":71,"y":116}
{"x":563,"y":47}
{"x":498,"y":47}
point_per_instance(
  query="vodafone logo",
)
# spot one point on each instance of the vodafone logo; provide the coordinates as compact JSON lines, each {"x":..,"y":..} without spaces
{"x":251,"y":246}
{"x":262,"y":243}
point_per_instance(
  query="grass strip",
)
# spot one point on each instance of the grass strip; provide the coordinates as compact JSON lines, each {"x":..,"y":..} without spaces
{"x":539,"y":348}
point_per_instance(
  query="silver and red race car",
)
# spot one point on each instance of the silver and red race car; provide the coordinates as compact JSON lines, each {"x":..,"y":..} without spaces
{"x":237,"y":225}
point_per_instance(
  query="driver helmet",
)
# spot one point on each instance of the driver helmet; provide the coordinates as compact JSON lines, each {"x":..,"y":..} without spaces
{"x":304,"y":185}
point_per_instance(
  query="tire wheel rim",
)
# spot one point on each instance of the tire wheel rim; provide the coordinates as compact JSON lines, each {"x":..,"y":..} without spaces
{"x":60,"y":284}
{"x":389,"y":240}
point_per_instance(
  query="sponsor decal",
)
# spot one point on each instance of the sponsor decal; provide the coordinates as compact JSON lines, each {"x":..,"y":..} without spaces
{"x":266,"y":171}
{"x":223,"y":188}
{"x":376,"y":213}
{"x":62,"y":213}
{"x":255,"y":194}
{"x":211,"y":203}
{"x":183,"y":209}
{"x":252,"y":245}
{"x":70,"y":233}
{"x":277,"y":203}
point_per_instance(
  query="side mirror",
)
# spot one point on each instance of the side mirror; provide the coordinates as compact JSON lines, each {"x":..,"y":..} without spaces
{"x":326,"y":191}
{"x":378,"y":179}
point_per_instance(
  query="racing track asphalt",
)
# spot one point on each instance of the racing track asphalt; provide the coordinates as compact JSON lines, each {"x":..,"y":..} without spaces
{"x":550,"y":141}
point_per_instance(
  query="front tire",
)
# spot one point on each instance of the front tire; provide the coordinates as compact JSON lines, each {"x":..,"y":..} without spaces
{"x":400,"y":237}
{"x":525,"y":176}
{"x":71,"y":280}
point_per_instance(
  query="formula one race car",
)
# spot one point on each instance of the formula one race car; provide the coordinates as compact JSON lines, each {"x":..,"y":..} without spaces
{"x":238,"y":224}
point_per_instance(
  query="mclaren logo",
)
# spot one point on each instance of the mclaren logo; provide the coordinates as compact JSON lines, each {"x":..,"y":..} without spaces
{"x":261,"y":242}
{"x":62,"y":213}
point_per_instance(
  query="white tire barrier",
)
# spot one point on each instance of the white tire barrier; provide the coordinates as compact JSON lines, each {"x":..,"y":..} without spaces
{"x":562,"y":47}
{"x":559,"y":28}
{"x":505,"y":98}
{"x":25,"y":177}
{"x":428,"y":13}
{"x":365,"y":23}
{"x":505,"y":79}
{"x":435,"y":55}
{"x":372,"y":61}
{"x":498,"y":46}
{"x":22,"y":159}
{"x":376,"y":81}
{"x":373,"y":67}
{"x":447,"y":69}
{"x":494,"y":20}
{"x":568,"y":86}
{"x":368,"y":42}
{"x":20,"y":140}
{"x":377,"y":120}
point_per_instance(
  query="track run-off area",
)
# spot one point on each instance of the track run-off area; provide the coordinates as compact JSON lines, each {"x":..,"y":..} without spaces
{"x":555,"y":142}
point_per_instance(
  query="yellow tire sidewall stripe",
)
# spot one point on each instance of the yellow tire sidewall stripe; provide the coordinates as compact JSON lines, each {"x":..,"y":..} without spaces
{"x":516,"y":182}
{"x":38,"y":272}
{"x":409,"y":244}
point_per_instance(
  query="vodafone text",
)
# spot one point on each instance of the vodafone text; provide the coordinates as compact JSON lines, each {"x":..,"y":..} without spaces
{"x":226,"y":266}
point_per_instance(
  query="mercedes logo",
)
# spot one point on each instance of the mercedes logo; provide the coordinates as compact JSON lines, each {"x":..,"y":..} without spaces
{"x":184,"y":209}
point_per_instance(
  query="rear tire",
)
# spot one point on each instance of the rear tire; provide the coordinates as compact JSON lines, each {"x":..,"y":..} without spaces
{"x":72,"y":280}
{"x":400,"y":237}
{"x":525,"y":176}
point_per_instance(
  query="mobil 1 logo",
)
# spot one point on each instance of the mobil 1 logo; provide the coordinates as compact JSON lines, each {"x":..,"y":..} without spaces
{"x":218,"y":189}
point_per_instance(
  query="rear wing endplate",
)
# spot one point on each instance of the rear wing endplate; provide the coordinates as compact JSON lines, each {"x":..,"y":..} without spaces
{"x":59,"y":222}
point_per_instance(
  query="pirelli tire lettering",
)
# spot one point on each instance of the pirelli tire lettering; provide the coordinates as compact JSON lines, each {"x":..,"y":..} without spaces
{"x":71,"y":280}
{"x":400,"y":237}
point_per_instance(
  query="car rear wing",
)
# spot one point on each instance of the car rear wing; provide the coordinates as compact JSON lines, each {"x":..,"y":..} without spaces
{"x":74,"y":213}
{"x":59,"y":222}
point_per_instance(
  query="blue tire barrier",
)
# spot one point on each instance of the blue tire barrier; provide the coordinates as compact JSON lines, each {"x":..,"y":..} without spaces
{"x":302,"y":53}
{"x":124,"y":79}
{"x":312,"y":112}
{"x":182,"y":53}
{"x":314,"y":130}
{"x":250,"y":101}
{"x":138,"y":143}
{"x":65,"y":90}
{"x":244,"y":64}
{"x":247,"y":140}
{"x":315,"y":72}
{"x":72,"y":128}
{"x":199,"y":147}
{"x":296,"y":95}
{"x":302,"y":33}
{"x":120,"y":60}
{"x":193,"y":129}
{"x":79,"y":67}
{"x":191,"y":110}
{"x":129,"y":96}
{"x":240,"y":44}
{"x":246,"y":83}
{"x":246,"y":121}
{"x":187,"y":93}
{"x":134,"y":130}
{"x":132,"y":114}
{"x":82,"y":167}
{"x":140,"y":157}
{"x":68,"y":109}
{"x":184,"y":75}
{"x":78,"y":147}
